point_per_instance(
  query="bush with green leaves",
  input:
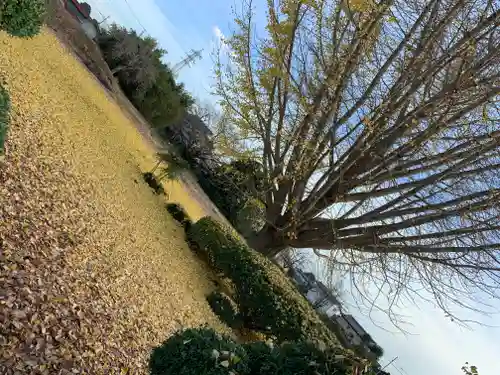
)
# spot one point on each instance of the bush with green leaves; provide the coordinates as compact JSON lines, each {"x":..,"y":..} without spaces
{"x":236,"y":188}
{"x":268,"y":302}
{"x":136,"y":61}
{"x":198,"y":351}
{"x":250,"y":218}
{"x":179,"y":214}
{"x":297,"y":358}
{"x":22,"y":18}
{"x":203,"y":351}
{"x":225,"y":308}
{"x":153,"y":183}
{"x":4,"y":116}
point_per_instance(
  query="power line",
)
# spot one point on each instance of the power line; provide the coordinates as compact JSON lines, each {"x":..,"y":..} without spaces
{"x":135,"y":16}
{"x":398,"y":369}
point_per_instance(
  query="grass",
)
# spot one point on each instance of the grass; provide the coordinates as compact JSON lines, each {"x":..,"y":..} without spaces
{"x":106,"y":274}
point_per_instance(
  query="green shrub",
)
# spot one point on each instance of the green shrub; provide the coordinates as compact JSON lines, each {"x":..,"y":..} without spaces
{"x":153,"y":183}
{"x":250,"y":218}
{"x":225,"y":308}
{"x":204,"y":352}
{"x":22,"y":18}
{"x":199,"y":351}
{"x":267,"y":300}
{"x":4,"y":116}
{"x":179,"y":214}
{"x":298,"y":358}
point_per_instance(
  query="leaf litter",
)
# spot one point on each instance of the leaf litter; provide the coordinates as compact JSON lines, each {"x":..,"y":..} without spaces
{"x":93,"y":271}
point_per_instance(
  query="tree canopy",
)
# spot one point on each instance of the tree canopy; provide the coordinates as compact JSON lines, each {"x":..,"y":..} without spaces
{"x":377,"y":127}
{"x":146,"y":80}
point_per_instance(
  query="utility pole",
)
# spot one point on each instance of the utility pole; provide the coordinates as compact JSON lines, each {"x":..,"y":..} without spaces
{"x":190,"y":58}
{"x":104,"y":19}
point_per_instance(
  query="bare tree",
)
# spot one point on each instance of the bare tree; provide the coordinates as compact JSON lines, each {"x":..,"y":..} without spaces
{"x":206,"y":111}
{"x":376,"y":123}
{"x":292,"y":259}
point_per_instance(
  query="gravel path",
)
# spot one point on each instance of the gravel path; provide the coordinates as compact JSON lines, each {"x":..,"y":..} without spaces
{"x":93,"y":272}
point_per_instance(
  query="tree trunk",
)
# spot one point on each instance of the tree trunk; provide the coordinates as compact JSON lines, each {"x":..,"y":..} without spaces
{"x":267,"y":242}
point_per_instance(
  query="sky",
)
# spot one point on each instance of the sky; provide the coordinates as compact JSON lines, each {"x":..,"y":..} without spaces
{"x":436,"y":346}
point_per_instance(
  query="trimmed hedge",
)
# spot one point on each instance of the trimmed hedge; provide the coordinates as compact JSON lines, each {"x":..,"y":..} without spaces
{"x":22,"y":18}
{"x":203,"y":352}
{"x":198,"y":351}
{"x":179,"y":214}
{"x":4,"y":117}
{"x":267,"y":300}
{"x":225,"y":308}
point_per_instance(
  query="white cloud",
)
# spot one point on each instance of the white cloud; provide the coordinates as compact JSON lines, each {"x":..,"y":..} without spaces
{"x":220,"y":40}
{"x":218,"y":34}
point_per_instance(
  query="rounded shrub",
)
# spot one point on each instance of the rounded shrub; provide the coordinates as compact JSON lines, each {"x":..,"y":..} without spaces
{"x":22,"y":18}
{"x":198,"y":351}
{"x":179,"y":214}
{"x":225,"y":308}
{"x":202,"y":351}
{"x":4,"y":116}
{"x":267,"y":301}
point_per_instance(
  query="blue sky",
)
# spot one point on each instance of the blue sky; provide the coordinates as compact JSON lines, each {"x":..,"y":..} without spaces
{"x":187,"y":25}
{"x":435,"y":346}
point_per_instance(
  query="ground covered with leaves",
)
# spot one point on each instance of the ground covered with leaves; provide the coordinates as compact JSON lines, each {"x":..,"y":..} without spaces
{"x":93,"y":270}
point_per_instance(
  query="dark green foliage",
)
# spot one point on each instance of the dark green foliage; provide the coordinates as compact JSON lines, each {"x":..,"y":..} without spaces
{"x":149,"y":84}
{"x":225,"y":309}
{"x":204,"y":352}
{"x":153,"y":183}
{"x":133,"y":59}
{"x":22,"y":18}
{"x":260,"y":356}
{"x":377,"y":350}
{"x":165,"y":101}
{"x":171,"y":165}
{"x":236,"y":188}
{"x":267,"y":300}
{"x":4,"y":116}
{"x":250,"y":218}
{"x":198,"y":351}
{"x":179,"y":214}
{"x":300,"y":358}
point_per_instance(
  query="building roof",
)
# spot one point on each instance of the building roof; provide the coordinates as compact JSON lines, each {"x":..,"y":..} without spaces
{"x":328,"y":292}
{"x":354,"y":324}
{"x":310,"y":277}
{"x":83,"y":8}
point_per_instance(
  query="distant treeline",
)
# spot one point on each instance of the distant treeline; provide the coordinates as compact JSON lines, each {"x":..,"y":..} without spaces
{"x":150,"y":85}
